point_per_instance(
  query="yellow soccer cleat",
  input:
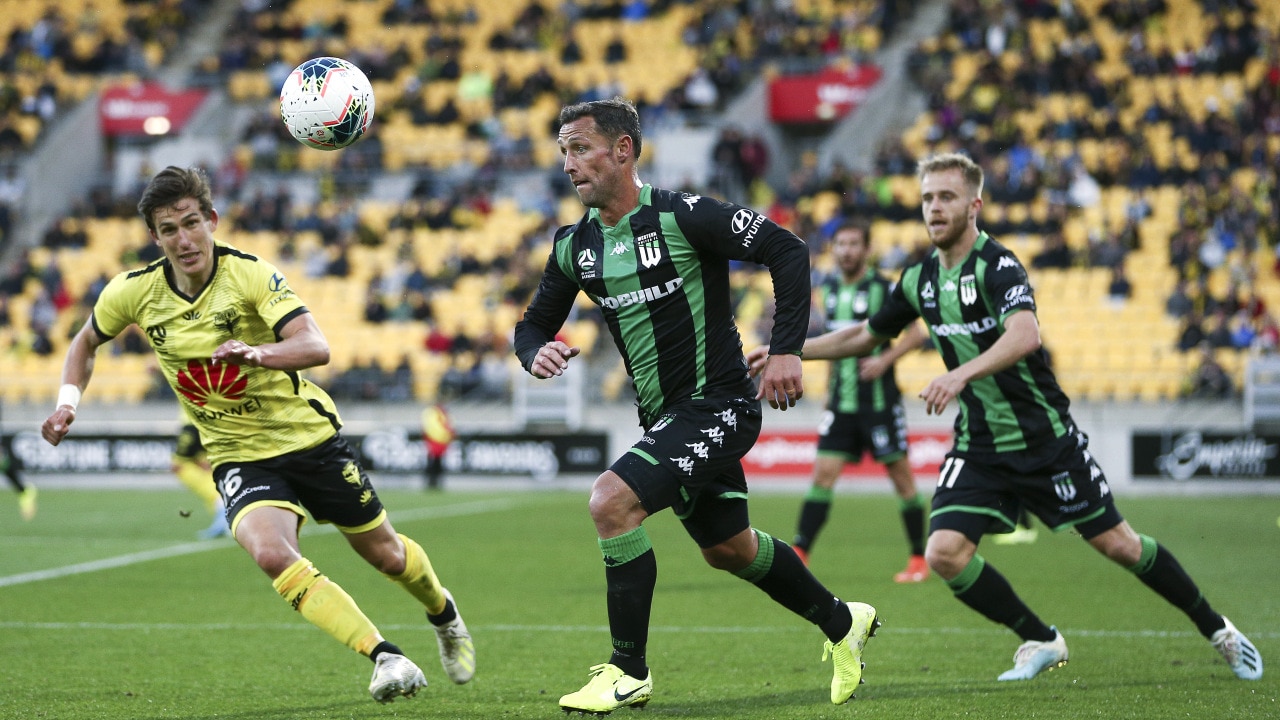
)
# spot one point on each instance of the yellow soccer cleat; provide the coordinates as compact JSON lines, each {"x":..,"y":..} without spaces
{"x":608,"y":690}
{"x":846,"y":655}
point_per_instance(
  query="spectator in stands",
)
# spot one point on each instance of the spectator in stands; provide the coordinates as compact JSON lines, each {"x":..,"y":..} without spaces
{"x":1179,"y":303}
{"x":1055,"y":255}
{"x":1219,"y":332}
{"x":1192,"y":332}
{"x":1120,"y":289}
{"x":1243,"y":331}
{"x":1208,"y":381}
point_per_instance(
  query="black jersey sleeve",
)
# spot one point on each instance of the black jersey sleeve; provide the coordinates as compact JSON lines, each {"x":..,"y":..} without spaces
{"x":739,"y":233}
{"x":895,"y":314}
{"x":1008,"y":290}
{"x":547,"y":311}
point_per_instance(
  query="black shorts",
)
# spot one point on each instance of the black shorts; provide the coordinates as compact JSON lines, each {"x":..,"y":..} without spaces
{"x":325,"y":480}
{"x":1059,"y":483}
{"x":883,"y":433}
{"x":690,"y":460}
{"x":189,"y":446}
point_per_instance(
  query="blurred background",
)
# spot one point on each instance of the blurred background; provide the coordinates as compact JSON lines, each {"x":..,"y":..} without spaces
{"x":1131,"y":150}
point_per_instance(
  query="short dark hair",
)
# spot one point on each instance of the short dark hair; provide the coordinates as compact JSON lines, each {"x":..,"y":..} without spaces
{"x":171,"y":185}
{"x":615,"y":117}
{"x":860,"y":224}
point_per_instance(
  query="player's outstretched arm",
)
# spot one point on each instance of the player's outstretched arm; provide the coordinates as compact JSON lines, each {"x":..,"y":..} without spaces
{"x":302,"y":345}
{"x":1021,"y":337}
{"x":873,"y":366}
{"x":76,"y":371}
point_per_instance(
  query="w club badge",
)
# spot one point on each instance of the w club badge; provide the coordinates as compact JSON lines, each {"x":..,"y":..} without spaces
{"x":968,"y":289}
{"x":1063,"y":486}
{"x":649,"y":249}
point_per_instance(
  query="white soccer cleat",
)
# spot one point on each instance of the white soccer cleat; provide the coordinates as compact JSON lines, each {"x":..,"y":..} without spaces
{"x":1240,"y":654}
{"x":1034,"y":657}
{"x":395,"y":676}
{"x":457,"y":651}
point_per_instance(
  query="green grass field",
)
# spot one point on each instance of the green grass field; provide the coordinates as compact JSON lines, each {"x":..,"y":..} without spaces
{"x":133,"y":618}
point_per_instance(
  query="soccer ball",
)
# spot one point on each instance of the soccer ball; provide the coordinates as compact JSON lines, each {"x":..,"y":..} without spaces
{"x":326,"y":103}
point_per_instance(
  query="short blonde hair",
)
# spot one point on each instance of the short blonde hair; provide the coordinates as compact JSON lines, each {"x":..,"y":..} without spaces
{"x":969,"y":169}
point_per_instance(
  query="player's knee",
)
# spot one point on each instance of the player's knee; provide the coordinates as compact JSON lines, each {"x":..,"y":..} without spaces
{"x":726,"y":556}
{"x":947,"y":559}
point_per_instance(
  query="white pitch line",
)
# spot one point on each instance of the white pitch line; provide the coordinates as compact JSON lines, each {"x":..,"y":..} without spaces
{"x":699,"y":630}
{"x":467,"y":508}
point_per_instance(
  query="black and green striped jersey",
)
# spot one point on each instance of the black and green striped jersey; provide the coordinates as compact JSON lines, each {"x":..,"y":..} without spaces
{"x":661,"y":279}
{"x":965,"y":307}
{"x":848,"y":303}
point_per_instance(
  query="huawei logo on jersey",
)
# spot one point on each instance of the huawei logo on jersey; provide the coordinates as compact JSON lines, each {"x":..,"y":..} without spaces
{"x":204,"y":380}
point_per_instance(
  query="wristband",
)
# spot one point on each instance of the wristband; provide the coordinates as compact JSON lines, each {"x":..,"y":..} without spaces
{"x":69,"y":394}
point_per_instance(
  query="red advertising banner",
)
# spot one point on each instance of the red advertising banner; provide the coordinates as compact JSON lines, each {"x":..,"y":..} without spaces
{"x":791,"y":454}
{"x":146,"y":109}
{"x":820,"y":97}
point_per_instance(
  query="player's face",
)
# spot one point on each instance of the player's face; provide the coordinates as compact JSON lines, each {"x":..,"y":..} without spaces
{"x":593,"y":164}
{"x":186,"y":237}
{"x":849,"y":248}
{"x":950,"y":206}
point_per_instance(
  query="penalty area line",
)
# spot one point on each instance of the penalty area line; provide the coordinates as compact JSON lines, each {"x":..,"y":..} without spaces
{"x":466,"y":508}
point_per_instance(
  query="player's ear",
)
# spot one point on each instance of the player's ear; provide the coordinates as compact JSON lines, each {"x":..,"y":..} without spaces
{"x":625,"y":147}
{"x":213,"y":219}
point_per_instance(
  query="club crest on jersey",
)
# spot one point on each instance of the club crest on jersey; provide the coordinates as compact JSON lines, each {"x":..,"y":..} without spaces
{"x":226,"y":321}
{"x":968,"y":289}
{"x":649,"y":249}
{"x":1063,"y":486}
{"x":860,"y":303}
{"x":662,"y":422}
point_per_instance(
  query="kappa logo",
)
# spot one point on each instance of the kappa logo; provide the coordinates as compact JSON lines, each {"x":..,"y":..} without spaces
{"x":649,"y":248}
{"x":730,"y":418}
{"x":587,"y":260}
{"x":685,"y":464}
{"x":968,"y":289}
{"x":690,"y":200}
{"x":741,"y":221}
{"x":715,"y":434}
{"x":619,"y":248}
{"x":1006,"y":261}
{"x":950,"y":286}
{"x":203,"y":381}
{"x":700,"y":449}
{"x":277,"y":283}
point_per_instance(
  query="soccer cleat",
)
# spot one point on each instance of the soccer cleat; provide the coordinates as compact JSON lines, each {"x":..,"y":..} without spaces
{"x":917,"y":571}
{"x":457,"y":651}
{"x":27,"y":502}
{"x":394,"y":676}
{"x":846,"y":655}
{"x":802,"y":554}
{"x":1020,"y":536}
{"x":1240,"y":654}
{"x":609,"y":689}
{"x":1036,"y":656}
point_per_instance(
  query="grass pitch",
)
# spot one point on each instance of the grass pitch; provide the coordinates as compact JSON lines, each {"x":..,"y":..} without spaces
{"x":109,"y":608}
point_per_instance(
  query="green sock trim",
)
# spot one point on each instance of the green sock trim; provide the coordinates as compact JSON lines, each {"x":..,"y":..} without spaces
{"x":763,"y":562}
{"x":962,"y":582}
{"x":626,"y":547}
{"x":820,"y":494}
{"x":1148,"y":557}
{"x":911,"y":504}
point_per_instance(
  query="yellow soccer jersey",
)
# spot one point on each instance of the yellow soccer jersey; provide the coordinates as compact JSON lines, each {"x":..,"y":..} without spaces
{"x":243,"y":413}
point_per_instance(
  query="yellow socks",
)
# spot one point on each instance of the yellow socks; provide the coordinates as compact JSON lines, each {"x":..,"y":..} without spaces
{"x":419,"y":578}
{"x":327,"y":606}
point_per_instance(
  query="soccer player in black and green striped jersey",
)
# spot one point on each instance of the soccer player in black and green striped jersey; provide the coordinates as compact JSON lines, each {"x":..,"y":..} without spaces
{"x":657,"y":264}
{"x":864,"y":405}
{"x":232,"y":339}
{"x":1015,"y":442}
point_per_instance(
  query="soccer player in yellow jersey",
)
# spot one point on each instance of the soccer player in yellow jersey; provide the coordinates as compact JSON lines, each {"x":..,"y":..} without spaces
{"x":232,"y":339}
